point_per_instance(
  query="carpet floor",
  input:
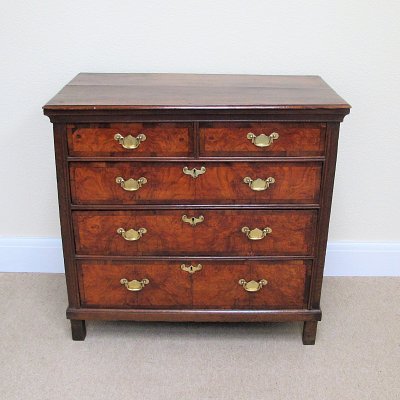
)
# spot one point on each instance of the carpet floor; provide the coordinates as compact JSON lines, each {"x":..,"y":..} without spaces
{"x":356,"y":356}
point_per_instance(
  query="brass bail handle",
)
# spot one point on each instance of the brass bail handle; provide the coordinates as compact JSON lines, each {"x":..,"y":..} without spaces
{"x":129,"y":142}
{"x":256,"y":233}
{"x":131,"y":185}
{"x":131,"y":235}
{"x":135,"y":285}
{"x":263,"y":140}
{"x":194,"y":172}
{"x":253,"y":286}
{"x":259,"y":184}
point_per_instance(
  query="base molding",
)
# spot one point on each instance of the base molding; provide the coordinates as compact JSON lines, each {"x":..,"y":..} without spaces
{"x":343,"y":258}
{"x":193,"y":315}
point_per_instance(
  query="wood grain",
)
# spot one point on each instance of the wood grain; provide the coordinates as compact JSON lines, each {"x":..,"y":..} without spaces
{"x":215,"y":286}
{"x":94,"y":183}
{"x":230,"y":139}
{"x":190,"y":91}
{"x":293,"y":232}
{"x":162,"y":139}
{"x":100,"y":285}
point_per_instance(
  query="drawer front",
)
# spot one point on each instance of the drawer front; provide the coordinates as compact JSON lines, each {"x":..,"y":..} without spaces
{"x":131,"y":140}
{"x":164,"y":284}
{"x":226,"y":183}
{"x":100,"y":285}
{"x":262,"y":139}
{"x":212,"y":232}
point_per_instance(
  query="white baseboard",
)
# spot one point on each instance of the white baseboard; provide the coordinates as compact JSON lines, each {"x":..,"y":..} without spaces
{"x":31,"y":255}
{"x":343,"y":258}
{"x":362,"y":259}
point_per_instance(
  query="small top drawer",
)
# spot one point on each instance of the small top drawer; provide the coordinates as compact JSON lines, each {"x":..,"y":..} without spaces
{"x":131,"y":140}
{"x":262,"y":139}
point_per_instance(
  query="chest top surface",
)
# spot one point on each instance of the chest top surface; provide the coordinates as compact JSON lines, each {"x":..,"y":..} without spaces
{"x":96,"y":91}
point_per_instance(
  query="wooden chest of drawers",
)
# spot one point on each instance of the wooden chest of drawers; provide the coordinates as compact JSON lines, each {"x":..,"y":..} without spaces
{"x":195,"y":197}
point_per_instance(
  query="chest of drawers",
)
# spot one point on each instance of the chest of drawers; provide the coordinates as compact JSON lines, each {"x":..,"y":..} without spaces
{"x":195,"y":197}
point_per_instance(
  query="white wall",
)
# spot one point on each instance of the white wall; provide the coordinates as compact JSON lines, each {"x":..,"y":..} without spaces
{"x":353,"y":45}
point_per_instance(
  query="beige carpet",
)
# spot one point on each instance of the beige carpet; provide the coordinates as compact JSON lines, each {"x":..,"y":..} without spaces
{"x":357,"y":354}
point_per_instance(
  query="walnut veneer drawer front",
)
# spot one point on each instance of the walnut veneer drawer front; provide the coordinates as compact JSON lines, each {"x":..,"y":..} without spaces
{"x":262,"y":139}
{"x":131,"y":139}
{"x":211,"y":232}
{"x":195,"y":197}
{"x":228,"y":183}
{"x":202,"y":284}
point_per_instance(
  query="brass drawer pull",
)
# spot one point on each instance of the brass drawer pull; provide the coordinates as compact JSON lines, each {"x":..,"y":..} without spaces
{"x":191,"y":268}
{"x":135,"y":285}
{"x":262,"y":140}
{"x":256,"y":234}
{"x":131,"y":235}
{"x":259,"y":184}
{"x":253,"y":286}
{"x":130,"y":142}
{"x":192,"y":221}
{"x":131,"y":185}
{"x":194,"y":172}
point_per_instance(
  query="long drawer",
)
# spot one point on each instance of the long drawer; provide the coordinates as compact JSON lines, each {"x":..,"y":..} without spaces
{"x":195,"y":232}
{"x":195,"y":183}
{"x":199,"y":285}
